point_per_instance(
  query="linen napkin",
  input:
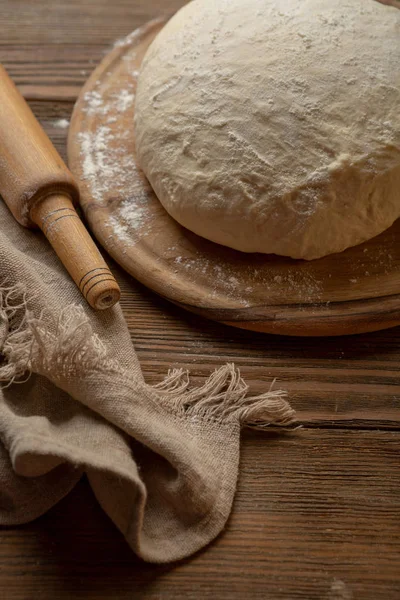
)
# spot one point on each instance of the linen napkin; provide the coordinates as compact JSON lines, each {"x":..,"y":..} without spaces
{"x":162,"y":460}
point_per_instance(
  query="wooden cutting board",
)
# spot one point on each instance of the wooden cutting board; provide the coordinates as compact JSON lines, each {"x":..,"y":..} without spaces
{"x":355,"y":291}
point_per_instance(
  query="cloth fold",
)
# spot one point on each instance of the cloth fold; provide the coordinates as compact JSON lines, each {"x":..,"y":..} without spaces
{"x":162,"y":460}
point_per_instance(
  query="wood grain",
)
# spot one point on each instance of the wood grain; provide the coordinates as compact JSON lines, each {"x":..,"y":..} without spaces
{"x":336,"y":539}
{"x":50,"y":48}
{"x":332,"y":382}
{"x":352,"y":292}
{"x":317,"y":511}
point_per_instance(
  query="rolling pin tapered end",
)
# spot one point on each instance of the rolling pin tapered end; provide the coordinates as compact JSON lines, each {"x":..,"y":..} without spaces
{"x":59,"y":221}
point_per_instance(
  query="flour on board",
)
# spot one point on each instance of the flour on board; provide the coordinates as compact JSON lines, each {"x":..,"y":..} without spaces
{"x":61,"y":123}
{"x":120,"y":102}
{"x":124,"y":100}
{"x":107,"y":160}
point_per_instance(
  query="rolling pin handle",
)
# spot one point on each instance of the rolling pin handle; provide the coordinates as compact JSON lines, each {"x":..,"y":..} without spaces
{"x":57,"y":218}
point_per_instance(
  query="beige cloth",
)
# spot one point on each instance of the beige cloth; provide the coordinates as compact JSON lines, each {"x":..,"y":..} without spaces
{"x":162,"y":461}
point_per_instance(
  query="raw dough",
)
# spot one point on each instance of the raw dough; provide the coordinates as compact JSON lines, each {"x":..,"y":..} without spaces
{"x":274,"y":125}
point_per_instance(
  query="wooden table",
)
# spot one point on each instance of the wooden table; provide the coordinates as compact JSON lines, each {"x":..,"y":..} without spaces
{"x":317,"y":513}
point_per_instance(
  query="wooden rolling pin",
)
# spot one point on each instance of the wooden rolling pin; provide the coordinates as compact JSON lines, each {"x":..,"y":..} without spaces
{"x":40,"y":191}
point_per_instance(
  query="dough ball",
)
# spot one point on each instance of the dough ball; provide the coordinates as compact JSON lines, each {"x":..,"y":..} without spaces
{"x":274,"y":125}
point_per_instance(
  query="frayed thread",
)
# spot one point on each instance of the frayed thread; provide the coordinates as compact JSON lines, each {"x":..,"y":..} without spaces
{"x":224,"y":398}
{"x":54,"y":348}
{"x":15,"y":346}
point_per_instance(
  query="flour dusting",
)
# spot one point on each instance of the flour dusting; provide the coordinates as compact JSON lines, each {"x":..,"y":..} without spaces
{"x":98,"y":164}
{"x":120,"y":102}
{"x":124,"y":100}
{"x":128,"y":40}
{"x":61,"y":123}
{"x":94,"y":104}
{"x":108,"y":163}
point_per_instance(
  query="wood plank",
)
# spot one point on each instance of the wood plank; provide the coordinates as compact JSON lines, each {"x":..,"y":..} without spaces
{"x":351,"y":381}
{"x":54,"y":117}
{"x":50,"y":70}
{"x":317,"y":517}
{"x":50,"y":48}
{"x":76,"y":21}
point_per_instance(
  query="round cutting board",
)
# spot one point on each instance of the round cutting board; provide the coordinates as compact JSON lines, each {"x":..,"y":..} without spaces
{"x":355,"y":291}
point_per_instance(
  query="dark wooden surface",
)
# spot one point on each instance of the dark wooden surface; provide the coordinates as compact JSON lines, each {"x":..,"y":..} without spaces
{"x":317,"y":514}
